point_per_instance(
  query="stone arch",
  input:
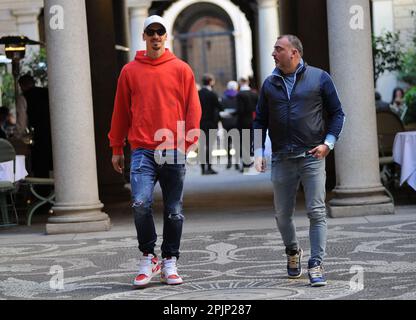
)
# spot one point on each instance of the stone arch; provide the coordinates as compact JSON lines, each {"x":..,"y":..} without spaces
{"x":242,"y":31}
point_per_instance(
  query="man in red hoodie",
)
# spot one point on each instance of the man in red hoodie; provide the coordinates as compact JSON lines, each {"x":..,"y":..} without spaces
{"x":157,"y":108}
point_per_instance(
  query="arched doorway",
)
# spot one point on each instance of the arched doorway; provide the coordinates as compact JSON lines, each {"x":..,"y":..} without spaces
{"x":203,"y":36}
{"x":181,"y":15}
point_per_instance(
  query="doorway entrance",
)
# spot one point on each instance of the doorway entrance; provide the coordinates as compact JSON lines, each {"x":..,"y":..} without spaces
{"x":205,"y":40}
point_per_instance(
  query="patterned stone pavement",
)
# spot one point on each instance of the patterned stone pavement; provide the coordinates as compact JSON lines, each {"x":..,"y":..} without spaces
{"x":375,"y":260}
{"x":231,"y":250}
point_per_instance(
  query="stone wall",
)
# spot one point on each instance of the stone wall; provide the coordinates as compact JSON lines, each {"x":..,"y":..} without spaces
{"x":20,"y":17}
{"x":404,"y":17}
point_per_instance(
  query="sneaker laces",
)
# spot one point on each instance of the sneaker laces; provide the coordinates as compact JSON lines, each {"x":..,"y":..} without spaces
{"x":169,"y":267}
{"x":145,"y":265}
{"x":315,"y":272}
{"x":293,"y":261}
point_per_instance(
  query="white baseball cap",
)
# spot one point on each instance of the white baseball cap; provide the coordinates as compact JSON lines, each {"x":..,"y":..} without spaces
{"x":154,"y":19}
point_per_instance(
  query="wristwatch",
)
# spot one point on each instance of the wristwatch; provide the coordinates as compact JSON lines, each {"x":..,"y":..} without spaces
{"x":330,"y":145}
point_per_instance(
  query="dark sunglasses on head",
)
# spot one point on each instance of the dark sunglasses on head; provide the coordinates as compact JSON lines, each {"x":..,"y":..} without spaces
{"x":151,"y":32}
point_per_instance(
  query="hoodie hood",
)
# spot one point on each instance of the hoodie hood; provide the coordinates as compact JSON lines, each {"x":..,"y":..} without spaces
{"x":230,"y":93}
{"x":166,"y":57}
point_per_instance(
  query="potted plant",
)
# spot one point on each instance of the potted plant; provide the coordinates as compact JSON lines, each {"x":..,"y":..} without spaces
{"x":407,"y":73}
{"x":410,"y":100}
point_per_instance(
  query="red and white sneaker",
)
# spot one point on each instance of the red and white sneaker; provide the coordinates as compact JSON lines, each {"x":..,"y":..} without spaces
{"x":149,"y":267}
{"x":169,"y":274}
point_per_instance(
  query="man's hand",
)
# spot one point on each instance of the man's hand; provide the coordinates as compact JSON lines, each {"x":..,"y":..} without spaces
{"x":118,"y":163}
{"x":260,"y":164}
{"x":320,"y":152}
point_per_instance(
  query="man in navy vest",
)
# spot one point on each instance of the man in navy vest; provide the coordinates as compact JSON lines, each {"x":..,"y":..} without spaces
{"x":291,"y":106}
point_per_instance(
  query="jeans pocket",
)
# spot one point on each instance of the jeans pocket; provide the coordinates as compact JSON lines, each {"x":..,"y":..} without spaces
{"x":136,"y":162}
{"x":311,"y":158}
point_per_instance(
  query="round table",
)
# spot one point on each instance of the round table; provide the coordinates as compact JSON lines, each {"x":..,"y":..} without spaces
{"x":404,"y":153}
{"x":8,"y":174}
{"x":6,"y":170}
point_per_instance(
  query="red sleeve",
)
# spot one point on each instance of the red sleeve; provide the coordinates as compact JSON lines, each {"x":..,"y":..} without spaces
{"x":193,"y":109}
{"x":121,"y":119}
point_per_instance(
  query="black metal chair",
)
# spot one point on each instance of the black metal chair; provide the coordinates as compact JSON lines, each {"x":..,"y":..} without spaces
{"x":39,"y":200}
{"x":7,"y":188}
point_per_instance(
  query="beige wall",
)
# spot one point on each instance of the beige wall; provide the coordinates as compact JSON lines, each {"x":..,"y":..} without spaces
{"x":403,"y":19}
{"x":7,"y":23}
{"x":20,"y":17}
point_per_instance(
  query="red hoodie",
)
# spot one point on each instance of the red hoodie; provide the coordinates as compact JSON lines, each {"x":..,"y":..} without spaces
{"x":153,"y":95}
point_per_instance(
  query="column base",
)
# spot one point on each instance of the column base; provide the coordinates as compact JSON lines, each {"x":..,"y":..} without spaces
{"x":360,"y":210}
{"x":78,"y":227}
{"x":67,"y":218}
{"x":360,"y":202}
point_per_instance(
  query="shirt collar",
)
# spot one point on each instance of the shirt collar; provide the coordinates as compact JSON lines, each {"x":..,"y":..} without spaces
{"x":277,"y":71}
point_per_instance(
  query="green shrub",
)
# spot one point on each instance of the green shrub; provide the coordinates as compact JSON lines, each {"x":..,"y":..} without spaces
{"x":410,"y":100}
{"x":36,"y":65}
{"x":387,"y":53}
{"x":407,"y":71}
{"x":7,"y":90}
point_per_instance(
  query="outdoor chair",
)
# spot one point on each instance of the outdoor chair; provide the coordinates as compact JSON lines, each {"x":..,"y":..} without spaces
{"x":39,"y":200}
{"x":388,"y":124}
{"x":7,"y":188}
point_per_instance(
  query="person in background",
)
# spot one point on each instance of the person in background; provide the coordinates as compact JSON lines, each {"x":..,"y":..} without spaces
{"x":4,"y":113}
{"x":229,"y":118}
{"x":397,"y":104}
{"x":246,"y":102}
{"x":381,"y":105}
{"x":211,"y":108}
{"x":38,"y":117}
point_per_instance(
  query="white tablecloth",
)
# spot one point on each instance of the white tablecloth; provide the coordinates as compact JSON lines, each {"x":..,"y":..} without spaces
{"x":6,"y":170}
{"x":404,"y":153}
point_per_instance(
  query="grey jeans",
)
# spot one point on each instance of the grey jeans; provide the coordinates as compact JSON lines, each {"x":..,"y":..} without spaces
{"x":286,"y":175}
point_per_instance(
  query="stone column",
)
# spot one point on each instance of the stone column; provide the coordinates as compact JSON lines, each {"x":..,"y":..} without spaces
{"x":268,"y":33}
{"x":358,"y":191}
{"x":77,"y":208}
{"x":138,"y":13}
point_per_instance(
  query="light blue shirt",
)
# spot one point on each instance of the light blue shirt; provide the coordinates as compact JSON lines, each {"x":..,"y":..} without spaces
{"x":289,"y":80}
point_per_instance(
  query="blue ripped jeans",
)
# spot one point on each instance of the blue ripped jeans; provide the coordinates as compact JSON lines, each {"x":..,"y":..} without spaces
{"x":286,"y":175}
{"x":145,"y":172}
